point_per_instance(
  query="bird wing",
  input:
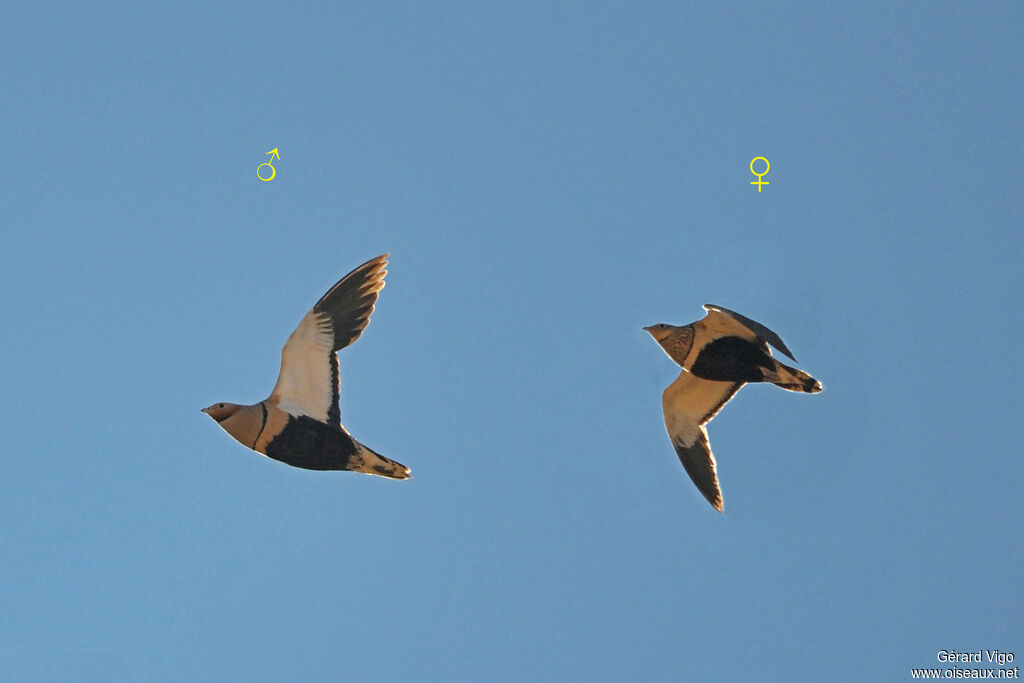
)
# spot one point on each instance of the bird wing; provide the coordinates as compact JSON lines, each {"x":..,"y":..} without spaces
{"x":731,"y":322}
{"x":308,"y":383}
{"x":689,"y":403}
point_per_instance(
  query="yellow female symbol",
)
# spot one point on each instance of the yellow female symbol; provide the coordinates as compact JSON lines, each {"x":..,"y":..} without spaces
{"x":759,"y":182}
{"x":273,"y":173}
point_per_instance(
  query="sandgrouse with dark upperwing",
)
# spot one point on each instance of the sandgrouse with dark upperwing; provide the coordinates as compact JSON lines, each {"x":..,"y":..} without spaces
{"x":718,"y":354}
{"x":300,"y":423}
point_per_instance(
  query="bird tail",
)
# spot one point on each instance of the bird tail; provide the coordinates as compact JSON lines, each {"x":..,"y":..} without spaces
{"x":370,"y":462}
{"x":792,"y":379}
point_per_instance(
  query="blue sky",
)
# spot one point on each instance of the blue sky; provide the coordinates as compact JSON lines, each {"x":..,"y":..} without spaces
{"x":549,"y":178}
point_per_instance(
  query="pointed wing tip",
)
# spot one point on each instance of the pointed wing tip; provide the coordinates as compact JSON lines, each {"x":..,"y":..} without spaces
{"x":713,"y":495}
{"x":755,"y":327}
{"x":379,"y":265}
{"x":375,"y":265}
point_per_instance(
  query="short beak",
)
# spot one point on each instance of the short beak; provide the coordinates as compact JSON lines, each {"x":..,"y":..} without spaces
{"x":648,"y":328}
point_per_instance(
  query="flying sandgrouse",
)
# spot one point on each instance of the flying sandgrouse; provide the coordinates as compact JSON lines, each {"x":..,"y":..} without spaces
{"x":300,"y":423}
{"x":718,"y":354}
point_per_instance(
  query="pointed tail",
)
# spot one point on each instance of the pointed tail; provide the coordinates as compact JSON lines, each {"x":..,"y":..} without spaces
{"x":370,"y":462}
{"x":792,"y":379}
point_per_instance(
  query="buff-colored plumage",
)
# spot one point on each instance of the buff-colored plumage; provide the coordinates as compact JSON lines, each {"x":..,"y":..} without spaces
{"x":300,"y":422}
{"x":718,"y":355}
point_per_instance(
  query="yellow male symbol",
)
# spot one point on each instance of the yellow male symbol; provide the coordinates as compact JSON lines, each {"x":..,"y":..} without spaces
{"x":273,"y":173}
{"x":759,"y":182}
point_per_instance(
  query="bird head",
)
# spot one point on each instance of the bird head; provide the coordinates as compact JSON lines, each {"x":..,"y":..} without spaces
{"x":221,"y":411}
{"x":660,"y":331}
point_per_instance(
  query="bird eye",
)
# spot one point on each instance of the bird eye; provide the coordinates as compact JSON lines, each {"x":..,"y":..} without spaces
{"x":220,"y":405}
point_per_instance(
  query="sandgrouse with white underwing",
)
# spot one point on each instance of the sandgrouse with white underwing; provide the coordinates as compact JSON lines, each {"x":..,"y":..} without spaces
{"x":300,"y":423}
{"x":718,"y":354}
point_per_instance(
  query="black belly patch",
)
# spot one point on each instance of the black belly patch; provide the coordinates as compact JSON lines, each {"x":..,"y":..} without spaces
{"x":732,"y":359}
{"x":312,"y":445}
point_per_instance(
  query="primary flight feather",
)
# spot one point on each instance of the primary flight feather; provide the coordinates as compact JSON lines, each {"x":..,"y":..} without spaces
{"x":718,"y":354}
{"x":300,"y":423}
